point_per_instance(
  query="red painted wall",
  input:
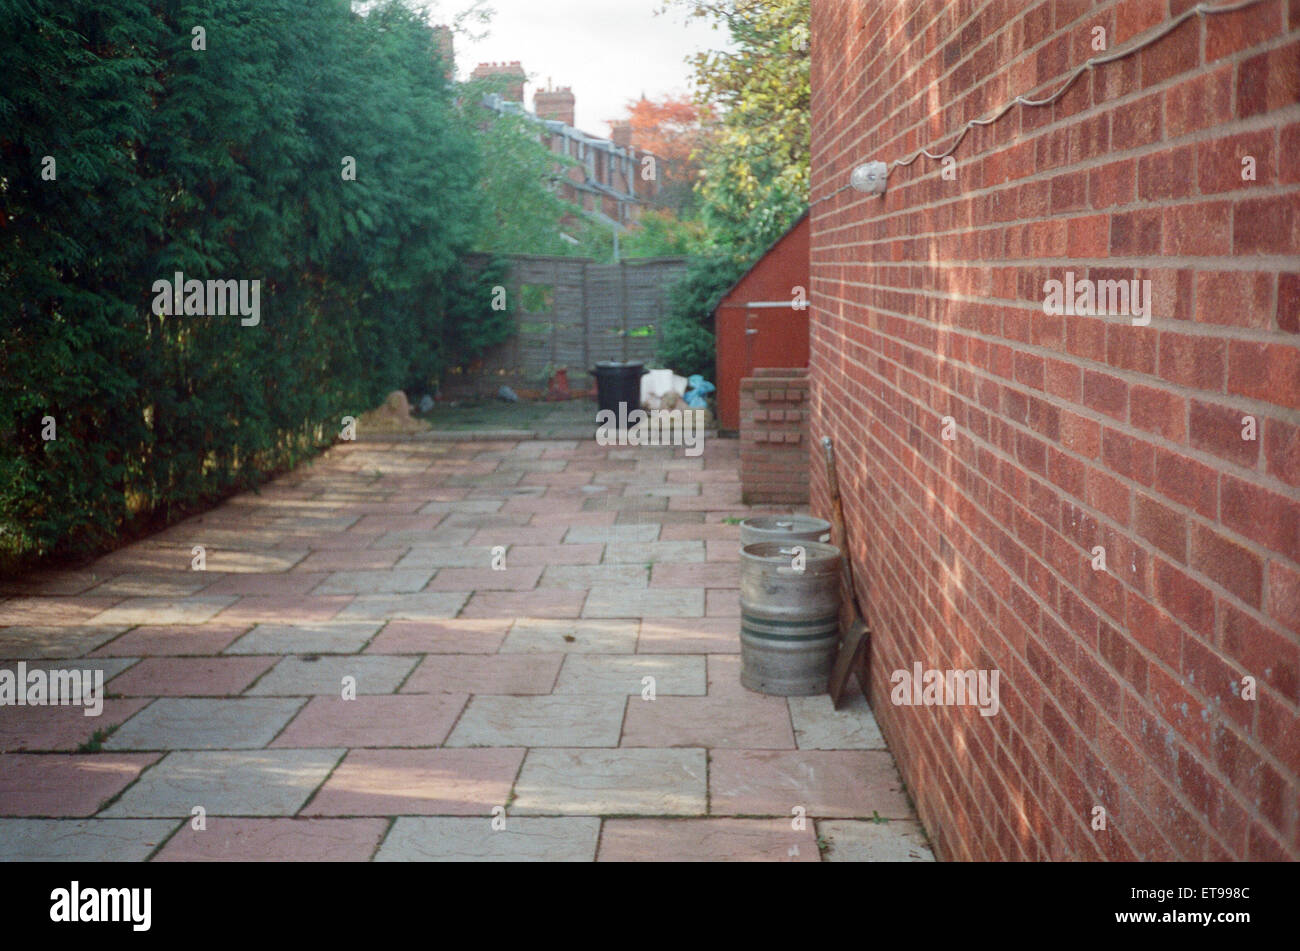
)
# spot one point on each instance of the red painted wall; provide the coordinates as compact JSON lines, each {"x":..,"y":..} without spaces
{"x":1121,"y":688}
{"x":782,"y":334}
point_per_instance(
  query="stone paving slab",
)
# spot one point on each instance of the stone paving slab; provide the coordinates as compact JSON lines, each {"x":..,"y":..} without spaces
{"x":373,"y":721}
{"x":193,"y":610}
{"x":52,"y":583}
{"x":226,"y":782}
{"x":409,"y":538}
{"x":458,"y":636}
{"x":819,"y":726}
{"x":706,"y":840}
{"x":539,"y":721}
{"x":59,"y":728}
{"x":599,"y":782}
{"x":382,"y":581}
{"x":611,"y":535}
{"x":509,"y":578}
{"x":538,"y":533}
{"x":156,"y":584}
{"x":84,"y":840}
{"x":445,"y":556}
{"x":720,"y":722}
{"x":305,"y":676}
{"x":898,"y":840}
{"x":826,"y":783}
{"x":275,"y":840}
{"x":171,"y":639}
{"x":462,"y":506}
{"x":348,"y":560}
{"x":707,"y":575}
{"x":722,"y":602}
{"x":50,"y":614}
{"x":282,"y":583}
{"x":523,"y":839}
{"x":637,"y":517}
{"x":174,"y":723}
{"x":583,"y":577}
{"x":708,"y":530}
{"x":324,"y":637}
{"x":695,"y":635}
{"x":190,"y":676}
{"x":614,"y":602}
{"x":426,"y":606}
{"x":485,"y":674}
{"x":419,"y":782}
{"x":109,"y":667}
{"x":284,"y":609}
{"x":35,"y":785}
{"x":519,"y":556}
{"x":623,"y":675}
{"x":32,"y":641}
{"x":540,"y":635}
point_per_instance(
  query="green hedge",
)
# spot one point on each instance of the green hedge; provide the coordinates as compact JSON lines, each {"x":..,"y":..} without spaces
{"x":223,"y":163}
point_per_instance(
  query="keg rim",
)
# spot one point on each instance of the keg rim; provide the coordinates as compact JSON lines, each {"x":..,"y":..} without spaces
{"x":773,"y":523}
{"x":779,"y":552}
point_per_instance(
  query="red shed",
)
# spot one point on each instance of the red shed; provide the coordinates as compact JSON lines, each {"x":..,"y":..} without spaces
{"x":760,"y":322}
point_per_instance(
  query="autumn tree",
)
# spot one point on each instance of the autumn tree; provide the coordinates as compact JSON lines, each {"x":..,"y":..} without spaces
{"x":670,"y":129}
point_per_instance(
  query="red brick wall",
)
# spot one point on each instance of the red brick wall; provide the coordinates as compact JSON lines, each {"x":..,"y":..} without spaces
{"x":774,"y":437}
{"x":1120,"y":687}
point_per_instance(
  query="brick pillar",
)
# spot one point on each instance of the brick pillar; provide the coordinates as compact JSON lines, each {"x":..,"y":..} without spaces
{"x":774,"y":437}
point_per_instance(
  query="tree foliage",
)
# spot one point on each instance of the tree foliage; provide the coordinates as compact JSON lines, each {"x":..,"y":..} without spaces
{"x":754,"y":180}
{"x":754,"y":158}
{"x":224,"y":163}
{"x":520,"y":208}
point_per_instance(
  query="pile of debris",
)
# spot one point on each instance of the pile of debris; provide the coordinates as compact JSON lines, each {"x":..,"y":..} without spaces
{"x":394,"y":416}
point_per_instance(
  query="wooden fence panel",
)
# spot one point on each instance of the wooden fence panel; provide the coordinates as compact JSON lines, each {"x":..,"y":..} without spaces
{"x":572,"y":312}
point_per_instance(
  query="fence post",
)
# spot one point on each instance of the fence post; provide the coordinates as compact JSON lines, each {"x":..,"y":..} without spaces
{"x":586,"y":320}
{"x":622,"y":302}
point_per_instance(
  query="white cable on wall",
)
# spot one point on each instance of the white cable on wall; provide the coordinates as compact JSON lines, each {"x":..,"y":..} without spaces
{"x":871,"y":177}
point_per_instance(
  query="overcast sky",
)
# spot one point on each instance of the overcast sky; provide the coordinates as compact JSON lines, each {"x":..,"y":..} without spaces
{"x":609,"y":51}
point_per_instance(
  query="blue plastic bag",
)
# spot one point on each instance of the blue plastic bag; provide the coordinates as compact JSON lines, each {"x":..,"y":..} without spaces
{"x":698,"y":387}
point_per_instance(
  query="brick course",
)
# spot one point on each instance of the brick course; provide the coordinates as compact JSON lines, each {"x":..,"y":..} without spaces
{"x":1121,"y":687}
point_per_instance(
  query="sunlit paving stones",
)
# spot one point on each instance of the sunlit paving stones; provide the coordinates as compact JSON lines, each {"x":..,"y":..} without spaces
{"x":577,"y":782}
{"x":518,"y":839}
{"x":494,"y":651}
{"x":225,"y":782}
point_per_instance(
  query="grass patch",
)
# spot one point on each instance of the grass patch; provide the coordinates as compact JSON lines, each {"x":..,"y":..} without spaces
{"x":96,"y":741}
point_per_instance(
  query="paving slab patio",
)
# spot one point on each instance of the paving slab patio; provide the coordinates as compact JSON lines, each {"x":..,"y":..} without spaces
{"x":582,"y":704}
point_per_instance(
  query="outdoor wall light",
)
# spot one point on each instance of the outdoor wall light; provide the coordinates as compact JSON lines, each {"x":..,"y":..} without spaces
{"x":870,"y":178}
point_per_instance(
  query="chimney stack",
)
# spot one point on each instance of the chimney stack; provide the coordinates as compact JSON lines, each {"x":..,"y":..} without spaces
{"x":621,"y":133}
{"x":555,"y":104}
{"x":508,"y":78}
{"x":444,"y":38}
